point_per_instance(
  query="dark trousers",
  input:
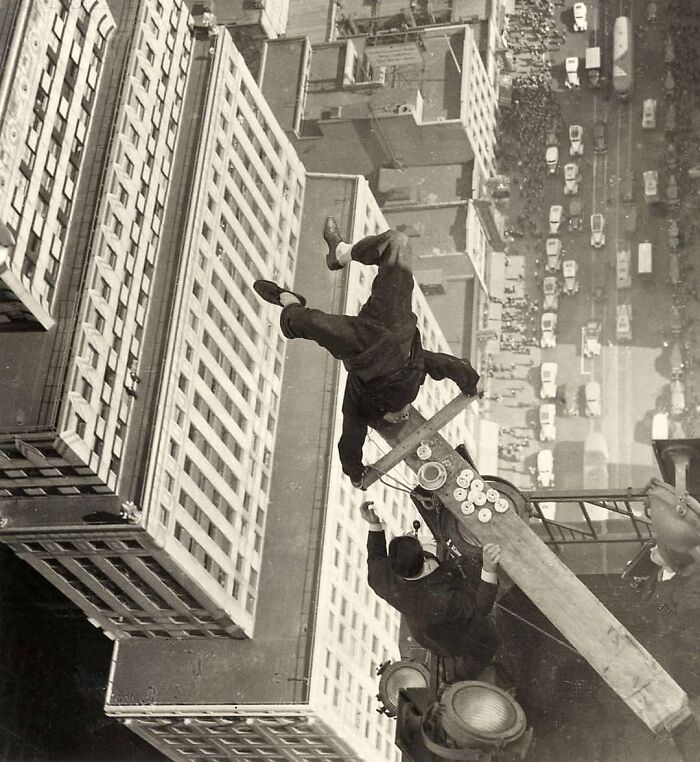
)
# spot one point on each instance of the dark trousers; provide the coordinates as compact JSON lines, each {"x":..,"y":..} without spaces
{"x":388,"y":307}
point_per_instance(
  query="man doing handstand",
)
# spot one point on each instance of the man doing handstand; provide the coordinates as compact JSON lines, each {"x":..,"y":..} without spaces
{"x":380,"y":347}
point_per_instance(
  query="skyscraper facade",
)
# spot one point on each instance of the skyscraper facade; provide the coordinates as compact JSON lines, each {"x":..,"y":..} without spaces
{"x":307,"y":679}
{"x":166,"y":409}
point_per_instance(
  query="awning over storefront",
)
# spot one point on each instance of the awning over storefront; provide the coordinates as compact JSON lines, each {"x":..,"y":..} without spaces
{"x":497,"y":275}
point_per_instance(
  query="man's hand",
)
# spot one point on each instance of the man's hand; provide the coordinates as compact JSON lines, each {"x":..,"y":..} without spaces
{"x":492,"y":556}
{"x":368,"y":513}
{"x":360,"y":483}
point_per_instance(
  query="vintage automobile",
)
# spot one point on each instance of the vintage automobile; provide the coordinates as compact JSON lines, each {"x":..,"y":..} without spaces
{"x":580,"y":17}
{"x":551,"y":158}
{"x":591,"y":338}
{"x":572,"y":80}
{"x":649,"y":114}
{"x":599,"y":137}
{"x":548,"y":378}
{"x":556,"y":212}
{"x":549,"y":328}
{"x":570,"y":273}
{"x":593,"y":403}
{"x":545,"y":468}
{"x":575,"y":214}
{"x":550,"y":288}
{"x":651,"y":186}
{"x":572,"y":178}
{"x":576,"y":140}
{"x":623,"y":323}
{"x":597,"y":230}
{"x":548,"y":431}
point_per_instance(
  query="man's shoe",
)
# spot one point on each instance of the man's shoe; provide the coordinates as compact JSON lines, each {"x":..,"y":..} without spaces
{"x":270,"y":292}
{"x":331,"y":235}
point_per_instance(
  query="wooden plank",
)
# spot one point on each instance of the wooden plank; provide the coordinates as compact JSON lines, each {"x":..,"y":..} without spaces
{"x":628,"y":668}
{"x":410,"y":435}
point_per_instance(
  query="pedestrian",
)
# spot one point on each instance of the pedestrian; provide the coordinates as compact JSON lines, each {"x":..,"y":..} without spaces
{"x":380,"y":347}
{"x":446,"y":606}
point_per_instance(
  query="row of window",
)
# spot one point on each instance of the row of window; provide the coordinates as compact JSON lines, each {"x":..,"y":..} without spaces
{"x":200,"y":555}
{"x":204,"y":484}
{"x":228,"y":439}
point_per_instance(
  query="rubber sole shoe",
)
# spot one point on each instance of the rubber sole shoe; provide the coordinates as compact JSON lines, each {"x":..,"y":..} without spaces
{"x":331,"y":235}
{"x":270,"y":292}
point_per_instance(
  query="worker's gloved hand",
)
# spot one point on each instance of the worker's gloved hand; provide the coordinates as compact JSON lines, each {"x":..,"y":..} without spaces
{"x":492,"y":556}
{"x":368,"y":513}
{"x":472,"y":391}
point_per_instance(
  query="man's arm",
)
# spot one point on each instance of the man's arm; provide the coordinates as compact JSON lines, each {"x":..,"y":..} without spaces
{"x":488,"y":584}
{"x":439,"y":365}
{"x":379,"y":572}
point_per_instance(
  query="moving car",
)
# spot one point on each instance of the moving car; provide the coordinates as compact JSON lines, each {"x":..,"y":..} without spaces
{"x":552,"y":159}
{"x":580,"y":17}
{"x":623,"y":269}
{"x":599,"y":137}
{"x":652,"y":12}
{"x":555,"y":215}
{"x":553,"y":252}
{"x":593,"y":405}
{"x":545,"y":468}
{"x":672,"y":191}
{"x":645,"y":258}
{"x":649,"y":114}
{"x":597,"y":230}
{"x":571,"y":178}
{"x":575,"y":214}
{"x":670,"y":119}
{"x":651,"y":186}
{"x":591,"y":344}
{"x":551,"y":294}
{"x":623,"y":324}
{"x":548,"y":377}
{"x":576,"y":140}
{"x":572,"y":80}
{"x":549,"y":327}
{"x":570,"y":272}
{"x":548,"y":431}
{"x":677,"y":397}
{"x":593,"y":66}
{"x":627,"y":186}
{"x":570,"y":399}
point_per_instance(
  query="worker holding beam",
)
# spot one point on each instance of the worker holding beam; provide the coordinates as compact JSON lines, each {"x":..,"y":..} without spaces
{"x":380,"y":347}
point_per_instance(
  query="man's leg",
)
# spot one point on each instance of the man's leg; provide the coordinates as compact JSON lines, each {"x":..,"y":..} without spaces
{"x":392,"y":288}
{"x":341,"y":335}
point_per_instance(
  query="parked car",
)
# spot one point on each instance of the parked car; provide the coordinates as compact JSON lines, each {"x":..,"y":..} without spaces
{"x":548,"y":378}
{"x":549,"y":328}
{"x":545,"y":468}
{"x":649,"y":114}
{"x":652,"y":12}
{"x":552,"y":133}
{"x":550,"y":287}
{"x":591,"y":343}
{"x":623,"y":323}
{"x":599,"y":137}
{"x":575,"y":214}
{"x":651,"y":186}
{"x":576,"y":140}
{"x":553,"y":252}
{"x":571,"y":178}
{"x":627,"y":186}
{"x":572,"y":80}
{"x":593,"y":404}
{"x":597,"y":230}
{"x":552,"y":158}
{"x":580,"y":17}
{"x":555,"y":215}
{"x":570,"y":272}
{"x":548,"y":431}
{"x":671,"y":156}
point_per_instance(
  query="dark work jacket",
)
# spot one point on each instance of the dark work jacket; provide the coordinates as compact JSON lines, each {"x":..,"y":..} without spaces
{"x":446,"y":610}
{"x":366,"y":401}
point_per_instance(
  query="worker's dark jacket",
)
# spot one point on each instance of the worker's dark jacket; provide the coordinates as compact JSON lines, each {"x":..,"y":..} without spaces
{"x":446,"y":611}
{"x":367,"y":401}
